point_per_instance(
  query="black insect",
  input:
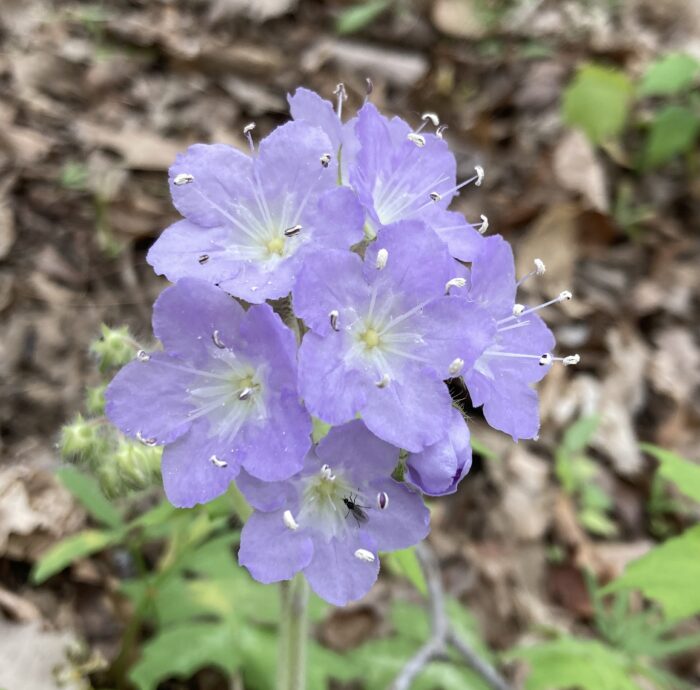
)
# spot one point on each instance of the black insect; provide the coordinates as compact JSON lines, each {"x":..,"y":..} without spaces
{"x":357,"y":509}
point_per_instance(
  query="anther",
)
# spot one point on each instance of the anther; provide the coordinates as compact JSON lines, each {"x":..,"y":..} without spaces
{"x":289,"y":521}
{"x":382,"y":500}
{"x":417,"y":139}
{"x":456,"y":366}
{"x":248,"y":134}
{"x":203,"y":258}
{"x":183,"y":179}
{"x":433,"y":117}
{"x":342,"y":95}
{"x":518,"y":309}
{"x":479,"y":175}
{"x":382,"y":258}
{"x":440,"y":131}
{"x":245,"y":393}
{"x":327,"y":473}
{"x":216,"y":337}
{"x":143,"y":356}
{"x":364,"y":555}
{"x":565,"y":295}
{"x":333,"y":317}
{"x":454,"y":282}
{"x":369,"y":86}
{"x":571,"y":360}
{"x":326,"y":160}
{"x":540,"y":268}
{"x":383,"y":382}
{"x":249,"y":128}
{"x":218,"y":462}
{"x":294,"y":230}
{"x":435,"y":196}
{"x":545,"y":359}
{"x":150,"y":442}
{"x":484,"y":225}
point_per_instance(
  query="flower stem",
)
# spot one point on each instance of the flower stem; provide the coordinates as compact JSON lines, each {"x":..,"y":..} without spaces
{"x":293,"y":634}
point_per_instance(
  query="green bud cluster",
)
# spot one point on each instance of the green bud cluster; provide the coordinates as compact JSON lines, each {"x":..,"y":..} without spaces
{"x":121,"y":465}
{"x":114,"y":348}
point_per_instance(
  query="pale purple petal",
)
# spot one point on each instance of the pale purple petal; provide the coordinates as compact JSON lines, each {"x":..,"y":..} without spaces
{"x":463,"y":241}
{"x":272,"y":552}
{"x":493,"y":277}
{"x":267,"y":496}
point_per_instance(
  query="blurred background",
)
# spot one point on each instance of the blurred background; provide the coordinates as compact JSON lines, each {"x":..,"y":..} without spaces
{"x":585,"y":115}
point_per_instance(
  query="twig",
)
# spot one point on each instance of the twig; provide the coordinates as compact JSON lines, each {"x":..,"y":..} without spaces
{"x":442,"y":634}
{"x":436,"y":645}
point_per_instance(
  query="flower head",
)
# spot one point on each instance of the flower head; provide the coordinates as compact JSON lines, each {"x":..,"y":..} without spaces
{"x":331,"y":520}
{"x":220,"y":397}
{"x":249,"y":219}
{"x":400,"y":174}
{"x":385,"y":334}
{"x":502,"y":376}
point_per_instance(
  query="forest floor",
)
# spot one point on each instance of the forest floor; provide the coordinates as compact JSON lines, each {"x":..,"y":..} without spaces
{"x":98,"y":97}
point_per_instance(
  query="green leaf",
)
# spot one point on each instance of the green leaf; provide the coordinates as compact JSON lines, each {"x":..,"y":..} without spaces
{"x":71,"y":549}
{"x":673,"y":131}
{"x":405,"y":563}
{"x":669,"y":574}
{"x":482,"y":449}
{"x":358,"y":17}
{"x":669,"y":75}
{"x":597,"y":102}
{"x":579,"y":434}
{"x":575,"y":663}
{"x":183,"y":650}
{"x":88,"y":492}
{"x":683,"y":473}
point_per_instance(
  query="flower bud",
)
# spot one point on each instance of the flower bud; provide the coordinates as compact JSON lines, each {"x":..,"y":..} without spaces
{"x":114,"y":348}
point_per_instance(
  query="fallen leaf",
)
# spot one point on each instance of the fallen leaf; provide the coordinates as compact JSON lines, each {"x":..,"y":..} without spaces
{"x":578,"y":169}
{"x":459,"y":18}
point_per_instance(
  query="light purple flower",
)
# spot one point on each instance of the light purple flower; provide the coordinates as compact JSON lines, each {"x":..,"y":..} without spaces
{"x":384,"y":335}
{"x":222,"y":395}
{"x":304,"y":524}
{"x":308,"y":106}
{"x":249,"y":219}
{"x":400,"y":175}
{"x":439,"y":469}
{"x":501,"y":378}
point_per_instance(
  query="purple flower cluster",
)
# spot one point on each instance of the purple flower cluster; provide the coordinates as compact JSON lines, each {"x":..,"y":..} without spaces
{"x":323,"y":276}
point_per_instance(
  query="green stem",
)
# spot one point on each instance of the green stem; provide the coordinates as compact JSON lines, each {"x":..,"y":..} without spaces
{"x":293,"y":634}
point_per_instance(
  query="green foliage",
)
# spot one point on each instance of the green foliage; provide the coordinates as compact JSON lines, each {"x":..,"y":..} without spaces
{"x":577,"y":473}
{"x":670,"y":75}
{"x":669,"y":574}
{"x":683,"y":473}
{"x":405,"y":563}
{"x":74,"y":176}
{"x":357,"y":17}
{"x":673,"y":131}
{"x":598,"y":102}
{"x":568,"y":662}
{"x":88,"y":492}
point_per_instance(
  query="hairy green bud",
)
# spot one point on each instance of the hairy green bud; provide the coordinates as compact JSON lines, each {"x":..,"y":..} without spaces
{"x":114,"y":348}
{"x":81,"y":441}
{"x":95,"y":399}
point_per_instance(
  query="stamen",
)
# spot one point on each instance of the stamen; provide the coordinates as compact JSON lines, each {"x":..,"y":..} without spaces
{"x":456,"y":366}
{"x":325,"y":160}
{"x":143,"y":356}
{"x":382,"y":500}
{"x":383,"y":382}
{"x":455,"y":282}
{"x":364,"y":555}
{"x":369,"y":86}
{"x":216,"y":337}
{"x":150,"y":442}
{"x":246,"y":393}
{"x":218,"y":462}
{"x":546,"y":359}
{"x":479,"y":175}
{"x":571,"y":360}
{"x":289,"y":521}
{"x":248,"y":134}
{"x":539,"y":270}
{"x":183,"y":179}
{"x":342,"y":95}
{"x":562,"y":297}
{"x":294,"y":230}
{"x":435,"y":196}
{"x":440,"y":131}
{"x":382,"y":258}
{"x":417,"y":139}
{"x":203,"y":258}
{"x":333,"y":316}
{"x":483,"y":226}
{"x":327,"y":473}
{"x":518,"y":309}
{"x":432,"y":117}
